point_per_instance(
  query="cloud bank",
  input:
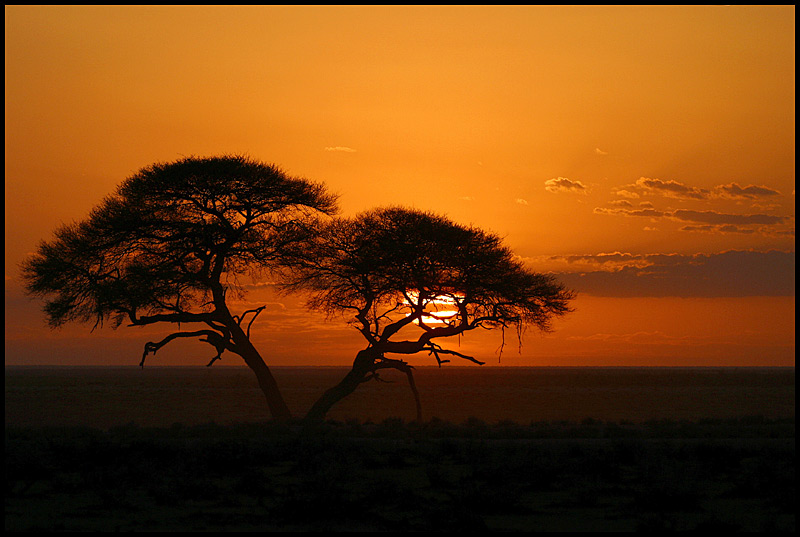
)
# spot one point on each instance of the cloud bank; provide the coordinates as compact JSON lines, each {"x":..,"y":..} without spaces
{"x":670,"y":189}
{"x":733,"y":273}
{"x":708,"y":221}
{"x":677,"y":190}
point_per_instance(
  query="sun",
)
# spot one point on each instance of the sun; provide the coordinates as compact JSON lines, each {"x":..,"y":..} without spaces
{"x":439,"y":309}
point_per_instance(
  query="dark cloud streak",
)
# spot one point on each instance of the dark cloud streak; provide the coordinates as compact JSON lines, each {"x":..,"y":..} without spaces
{"x":672,"y":189}
{"x":735,"y":191}
{"x":714,"y":217}
{"x":678,"y":190}
{"x":707,"y":221}
{"x":727,"y":274}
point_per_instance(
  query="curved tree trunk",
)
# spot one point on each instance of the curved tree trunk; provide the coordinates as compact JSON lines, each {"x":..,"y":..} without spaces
{"x":361,"y":369}
{"x":364,"y":366}
{"x":253,"y":359}
{"x":277,"y":405}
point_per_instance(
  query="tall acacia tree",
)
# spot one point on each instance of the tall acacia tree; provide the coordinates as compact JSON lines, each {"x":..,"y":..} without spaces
{"x":409,"y":278}
{"x":168,"y":247}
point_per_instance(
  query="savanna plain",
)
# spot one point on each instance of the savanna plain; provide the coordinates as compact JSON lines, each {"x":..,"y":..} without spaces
{"x":499,"y":449}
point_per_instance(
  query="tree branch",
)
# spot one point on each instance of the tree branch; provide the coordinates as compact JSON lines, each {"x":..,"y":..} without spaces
{"x":215,"y":339}
{"x":436,"y":350}
{"x":365,"y":329}
{"x":386,"y":363}
{"x":413,"y":347}
{"x":240,"y":318}
{"x":183,"y":317}
{"x":396,"y":326}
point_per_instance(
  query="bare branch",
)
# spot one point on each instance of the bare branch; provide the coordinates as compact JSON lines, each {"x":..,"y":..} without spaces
{"x":365,"y":328}
{"x":184,"y":317}
{"x":240,"y":318}
{"x":215,"y":339}
{"x":396,"y":326}
{"x":400,"y":365}
{"x":436,"y":350}
{"x":255,"y":314}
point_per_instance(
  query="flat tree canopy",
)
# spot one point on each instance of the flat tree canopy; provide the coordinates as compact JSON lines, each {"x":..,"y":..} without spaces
{"x":169,"y":246}
{"x":407,"y":278}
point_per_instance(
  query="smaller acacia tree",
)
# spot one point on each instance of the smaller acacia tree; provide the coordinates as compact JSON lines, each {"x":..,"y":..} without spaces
{"x":168,"y":247}
{"x":410,"y":278}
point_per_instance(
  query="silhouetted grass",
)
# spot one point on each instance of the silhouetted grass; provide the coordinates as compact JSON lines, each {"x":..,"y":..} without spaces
{"x":735,"y":474}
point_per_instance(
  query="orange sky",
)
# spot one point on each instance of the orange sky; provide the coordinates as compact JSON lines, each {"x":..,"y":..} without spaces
{"x":646,"y":154}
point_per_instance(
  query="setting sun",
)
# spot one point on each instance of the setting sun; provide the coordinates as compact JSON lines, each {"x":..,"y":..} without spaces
{"x":441,"y":309}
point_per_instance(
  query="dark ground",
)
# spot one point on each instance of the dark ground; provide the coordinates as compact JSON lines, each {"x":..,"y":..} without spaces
{"x":715,"y":474}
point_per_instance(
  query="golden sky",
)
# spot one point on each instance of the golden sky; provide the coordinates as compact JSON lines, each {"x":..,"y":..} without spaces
{"x":644,"y":153}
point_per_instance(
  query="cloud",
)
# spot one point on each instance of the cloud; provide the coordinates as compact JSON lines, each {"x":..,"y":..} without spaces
{"x":714,"y":217}
{"x":637,"y":338}
{"x":620,"y":203}
{"x":467,"y":198}
{"x":735,"y":191}
{"x":671,"y":189}
{"x":599,"y":151}
{"x":733,"y":273}
{"x":609,"y":262}
{"x":341,"y":149}
{"x":521,"y":201}
{"x":562,"y":184}
{"x":627,"y":194}
{"x":727,"y":228}
{"x":643,"y":212}
{"x":706,"y":221}
{"x":678,"y":190}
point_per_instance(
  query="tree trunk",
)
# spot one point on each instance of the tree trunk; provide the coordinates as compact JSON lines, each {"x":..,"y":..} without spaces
{"x":251,"y":356}
{"x":361,"y":368}
{"x":277,"y":405}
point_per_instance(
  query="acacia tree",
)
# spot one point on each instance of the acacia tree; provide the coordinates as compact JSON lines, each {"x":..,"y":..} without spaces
{"x":410,"y":278}
{"x":168,"y":247}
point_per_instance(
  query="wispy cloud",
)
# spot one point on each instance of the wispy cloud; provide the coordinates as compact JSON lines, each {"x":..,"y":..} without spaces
{"x":734,"y":191}
{"x":340,"y":149}
{"x":730,"y":273}
{"x":521,"y":201}
{"x":714,"y":217}
{"x":726,"y":228}
{"x":622,"y":211}
{"x":627,"y":194}
{"x":671,"y":189}
{"x":678,"y":190}
{"x":562,"y":184}
{"x":599,"y":151}
{"x":706,"y":221}
{"x":637,"y":338}
{"x":621,"y":203}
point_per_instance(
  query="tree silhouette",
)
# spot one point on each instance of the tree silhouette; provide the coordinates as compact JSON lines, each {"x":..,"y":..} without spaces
{"x":168,"y":247}
{"x":409,"y":278}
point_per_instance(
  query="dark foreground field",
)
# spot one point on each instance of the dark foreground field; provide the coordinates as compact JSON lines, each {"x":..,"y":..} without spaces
{"x":667,"y":475}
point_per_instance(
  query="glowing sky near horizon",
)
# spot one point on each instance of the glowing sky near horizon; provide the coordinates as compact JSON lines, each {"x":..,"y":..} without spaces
{"x":644,"y":154}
